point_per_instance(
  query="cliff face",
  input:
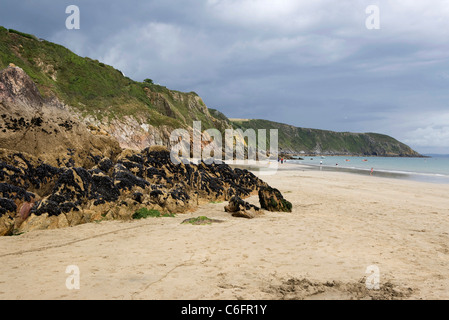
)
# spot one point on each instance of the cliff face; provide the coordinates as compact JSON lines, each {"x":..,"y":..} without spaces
{"x":146,"y":128}
{"x":141,"y":114}
{"x":45,"y":127}
{"x":136,"y":114}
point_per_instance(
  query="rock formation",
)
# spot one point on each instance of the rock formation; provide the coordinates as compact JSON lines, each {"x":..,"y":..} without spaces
{"x":272,"y":200}
{"x":45,"y":127}
{"x":239,"y":208}
{"x":57,"y":171}
{"x":36,"y":195}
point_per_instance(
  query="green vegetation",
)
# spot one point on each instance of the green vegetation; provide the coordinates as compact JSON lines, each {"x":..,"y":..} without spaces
{"x":96,"y":89}
{"x":218,"y":115}
{"x":313,"y":141}
{"x":26,"y":35}
{"x":144,"y":213}
{"x":202,"y":220}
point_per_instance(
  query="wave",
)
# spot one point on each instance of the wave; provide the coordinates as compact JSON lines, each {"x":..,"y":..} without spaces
{"x":404,"y":173}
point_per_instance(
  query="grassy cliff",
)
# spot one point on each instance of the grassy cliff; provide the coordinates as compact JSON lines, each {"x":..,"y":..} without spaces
{"x":313,"y":141}
{"x":99,"y":91}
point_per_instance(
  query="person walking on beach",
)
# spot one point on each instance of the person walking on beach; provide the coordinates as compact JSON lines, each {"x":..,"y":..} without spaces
{"x":371,"y":173}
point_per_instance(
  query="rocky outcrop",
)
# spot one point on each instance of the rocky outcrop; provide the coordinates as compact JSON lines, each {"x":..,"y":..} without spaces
{"x":45,"y":128}
{"x":240,"y":208}
{"x":61,"y":166}
{"x":36,"y":195}
{"x":272,"y":200}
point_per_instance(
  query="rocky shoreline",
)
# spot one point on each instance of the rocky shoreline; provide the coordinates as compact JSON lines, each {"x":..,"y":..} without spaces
{"x":55,"y":172}
{"x":35,"y":195}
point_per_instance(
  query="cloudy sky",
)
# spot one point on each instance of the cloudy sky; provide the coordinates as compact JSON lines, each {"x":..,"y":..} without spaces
{"x":307,"y":63}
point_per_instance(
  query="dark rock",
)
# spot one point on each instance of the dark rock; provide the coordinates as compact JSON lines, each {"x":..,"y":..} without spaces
{"x":126,"y":180}
{"x":105,"y":165}
{"x":134,"y":167}
{"x":46,"y":206}
{"x":138,"y":197}
{"x":156,"y":193}
{"x":7,"y":205}
{"x":103,"y":188}
{"x":272,"y":200}
{"x":15,"y":193}
{"x":114,"y":182}
{"x":243,"y":209}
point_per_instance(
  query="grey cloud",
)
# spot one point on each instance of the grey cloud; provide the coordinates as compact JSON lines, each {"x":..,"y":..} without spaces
{"x":306,"y":63}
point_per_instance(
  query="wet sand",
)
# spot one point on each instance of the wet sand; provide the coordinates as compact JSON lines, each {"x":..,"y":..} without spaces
{"x":341,"y":225}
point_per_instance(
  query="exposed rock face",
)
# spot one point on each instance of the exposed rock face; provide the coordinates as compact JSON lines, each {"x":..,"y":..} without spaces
{"x":57,"y":171}
{"x":45,"y":127}
{"x":272,"y":200}
{"x":243,"y":209}
{"x":36,"y":195}
{"x":130,"y":132}
{"x":139,"y":130}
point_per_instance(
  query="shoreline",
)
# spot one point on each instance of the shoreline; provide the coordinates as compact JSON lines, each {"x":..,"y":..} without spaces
{"x":379,"y":173}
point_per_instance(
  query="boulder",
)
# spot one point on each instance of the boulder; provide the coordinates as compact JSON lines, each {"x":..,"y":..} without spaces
{"x":240,"y":208}
{"x":272,"y":200}
{"x":35,"y":222}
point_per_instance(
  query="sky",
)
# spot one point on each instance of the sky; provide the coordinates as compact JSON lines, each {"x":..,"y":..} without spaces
{"x":347,"y":65}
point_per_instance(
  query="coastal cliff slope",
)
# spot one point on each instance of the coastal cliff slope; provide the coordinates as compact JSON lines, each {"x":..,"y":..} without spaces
{"x":295,"y":140}
{"x":140,"y":114}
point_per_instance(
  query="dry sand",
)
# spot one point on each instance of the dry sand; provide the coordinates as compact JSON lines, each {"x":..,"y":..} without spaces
{"x":341,"y":224}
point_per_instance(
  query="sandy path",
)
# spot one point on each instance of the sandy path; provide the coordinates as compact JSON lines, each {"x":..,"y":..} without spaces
{"x":341,"y":224}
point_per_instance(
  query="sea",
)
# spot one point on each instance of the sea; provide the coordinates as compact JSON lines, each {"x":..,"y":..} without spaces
{"x":433,"y":168}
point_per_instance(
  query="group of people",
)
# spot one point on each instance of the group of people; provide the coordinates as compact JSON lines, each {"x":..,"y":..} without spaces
{"x":281,"y":160}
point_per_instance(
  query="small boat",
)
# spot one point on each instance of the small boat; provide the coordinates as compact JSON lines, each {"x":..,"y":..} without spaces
{"x":364,"y":160}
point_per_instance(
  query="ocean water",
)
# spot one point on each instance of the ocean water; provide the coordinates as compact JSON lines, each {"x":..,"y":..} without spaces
{"x":432,"y":169}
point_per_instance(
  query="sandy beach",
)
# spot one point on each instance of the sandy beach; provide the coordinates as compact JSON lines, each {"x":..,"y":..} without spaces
{"x":341,"y":225}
